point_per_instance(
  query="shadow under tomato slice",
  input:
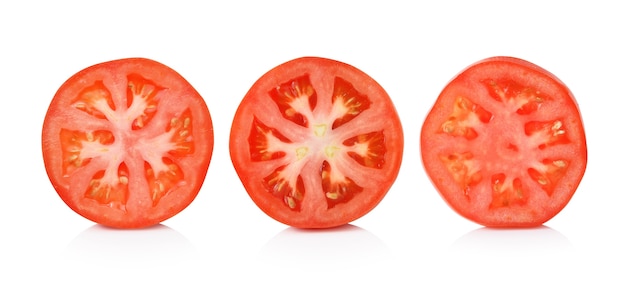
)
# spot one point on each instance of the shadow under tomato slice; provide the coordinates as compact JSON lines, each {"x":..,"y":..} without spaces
{"x":316,"y":143}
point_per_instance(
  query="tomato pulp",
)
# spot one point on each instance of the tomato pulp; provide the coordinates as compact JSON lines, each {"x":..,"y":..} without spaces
{"x":127,"y":143}
{"x":504,"y":143}
{"x":316,"y":143}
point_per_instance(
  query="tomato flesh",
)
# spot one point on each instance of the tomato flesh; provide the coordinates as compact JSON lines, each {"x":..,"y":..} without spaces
{"x":127,"y":143}
{"x":504,"y":143}
{"x":317,"y":143}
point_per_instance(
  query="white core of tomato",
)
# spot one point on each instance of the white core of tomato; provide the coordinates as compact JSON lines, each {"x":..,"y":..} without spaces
{"x":320,"y":143}
{"x":151,"y":149}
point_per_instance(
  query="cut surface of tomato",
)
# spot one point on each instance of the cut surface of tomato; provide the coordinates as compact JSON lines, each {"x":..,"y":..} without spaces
{"x":127,"y":143}
{"x":504,"y":143}
{"x":316,"y":143}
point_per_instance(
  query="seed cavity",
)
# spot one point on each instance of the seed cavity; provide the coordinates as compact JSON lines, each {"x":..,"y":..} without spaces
{"x":507,"y":191}
{"x":291,"y":193}
{"x":337,"y":187}
{"x":559,"y":163}
{"x":348,"y":102}
{"x":295,"y":99}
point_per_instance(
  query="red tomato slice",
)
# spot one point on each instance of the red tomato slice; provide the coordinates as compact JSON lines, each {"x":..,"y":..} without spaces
{"x":316,"y":143}
{"x":504,"y":144}
{"x":127,"y":143}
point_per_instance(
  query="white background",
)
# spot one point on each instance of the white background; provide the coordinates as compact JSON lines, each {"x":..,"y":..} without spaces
{"x":411,"y":49}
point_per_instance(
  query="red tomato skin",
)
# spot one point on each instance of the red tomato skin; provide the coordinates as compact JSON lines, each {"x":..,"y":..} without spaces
{"x":256,"y":101}
{"x":195,"y":167}
{"x":537,"y":210}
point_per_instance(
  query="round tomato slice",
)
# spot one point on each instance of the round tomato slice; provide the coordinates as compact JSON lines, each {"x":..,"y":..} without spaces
{"x":504,"y":144}
{"x":127,"y":143}
{"x":316,"y":143}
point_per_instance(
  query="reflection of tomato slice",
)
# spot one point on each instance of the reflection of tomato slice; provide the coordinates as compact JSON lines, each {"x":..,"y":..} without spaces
{"x":504,"y":143}
{"x":317,"y":143}
{"x":127,"y":143}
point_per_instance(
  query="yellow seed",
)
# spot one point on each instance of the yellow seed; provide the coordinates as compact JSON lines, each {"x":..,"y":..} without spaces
{"x":184,"y":148}
{"x":448,"y":127}
{"x":325,"y":174}
{"x":290,"y":202}
{"x":187,"y":122}
{"x":297,"y":195}
{"x":332,"y":195}
{"x":559,"y":163}
{"x":123,"y":180}
{"x":354,"y":111}
{"x":90,"y":137}
{"x":183,"y":133}
{"x":278,"y":185}
{"x":286,"y":94}
{"x":464,"y":104}
{"x":173,"y":122}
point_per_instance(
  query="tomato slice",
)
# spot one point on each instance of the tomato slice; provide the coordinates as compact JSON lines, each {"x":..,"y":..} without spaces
{"x":316,"y":143}
{"x":127,"y":143}
{"x":504,"y":143}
